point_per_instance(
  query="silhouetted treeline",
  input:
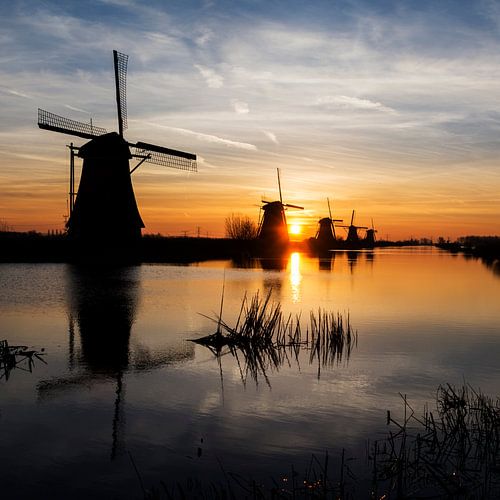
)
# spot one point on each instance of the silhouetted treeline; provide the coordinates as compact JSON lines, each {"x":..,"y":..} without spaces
{"x":481,"y":246}
{"x":37,"y":247}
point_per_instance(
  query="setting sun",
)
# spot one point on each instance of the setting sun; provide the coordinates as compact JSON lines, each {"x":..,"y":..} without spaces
{"x":295,"y":229}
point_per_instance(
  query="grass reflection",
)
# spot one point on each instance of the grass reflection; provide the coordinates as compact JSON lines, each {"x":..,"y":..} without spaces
{"x":264,"y":339}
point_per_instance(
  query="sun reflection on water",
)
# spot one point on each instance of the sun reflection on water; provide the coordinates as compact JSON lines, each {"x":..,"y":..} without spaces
{"x":295,"y":276}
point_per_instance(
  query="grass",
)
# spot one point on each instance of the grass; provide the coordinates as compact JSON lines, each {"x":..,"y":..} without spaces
{"x":264,"y":338}
{"x":17,"y":357}
{"x":450,"y":452}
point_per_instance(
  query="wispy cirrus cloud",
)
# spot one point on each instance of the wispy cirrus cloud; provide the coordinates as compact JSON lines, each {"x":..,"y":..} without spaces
{"x":17,"y":93}
{"x":212,"y":78}
{"x":213,"y":139}
{"x":347,"y":102}
{"x":271,"y":136}
{"x":79,"y":110}
{"x":240,"y":107}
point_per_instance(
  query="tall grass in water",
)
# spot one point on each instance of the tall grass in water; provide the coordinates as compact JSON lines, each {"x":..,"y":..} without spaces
{"x":265,"y":338}
{"x":12,"y":357}
{"x":452,"y":452}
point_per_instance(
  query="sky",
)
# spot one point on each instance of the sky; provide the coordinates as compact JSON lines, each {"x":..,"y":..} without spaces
{"x":389,"y":108}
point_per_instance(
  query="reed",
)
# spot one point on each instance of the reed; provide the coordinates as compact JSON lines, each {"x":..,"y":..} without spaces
{"x":264,"y":338}
{"x":453,"y":452}
{"x":450,"y":452}
{"x":17,"y":356}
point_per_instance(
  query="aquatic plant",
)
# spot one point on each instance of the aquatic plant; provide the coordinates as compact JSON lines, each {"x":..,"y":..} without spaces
{"x":12,"y":357}
{"x":452,"y":452}
{"x":265,"y":338}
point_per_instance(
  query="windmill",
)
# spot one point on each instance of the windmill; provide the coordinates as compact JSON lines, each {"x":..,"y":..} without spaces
{"x":370,"y":236}
{"x":325,"y":236}
{"x":352,"y":233}
{"x":273,"y":229}
{"x":105,"y":209}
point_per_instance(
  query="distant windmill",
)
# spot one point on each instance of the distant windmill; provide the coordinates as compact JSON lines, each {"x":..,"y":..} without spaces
{"x":325,"y":237}
{"x":370,"y":236}
{"x":273,"y":229}
{"x":352,"y":233}
{"x":105,"y":209}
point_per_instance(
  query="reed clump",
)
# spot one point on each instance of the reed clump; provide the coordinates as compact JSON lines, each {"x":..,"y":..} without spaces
{"x":450,"y":452}
{"x":453,"y":452}
{"x":16,"y":356}
{"x":266,"y":338}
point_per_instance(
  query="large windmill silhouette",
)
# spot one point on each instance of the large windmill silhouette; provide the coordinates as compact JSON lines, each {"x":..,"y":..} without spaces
{"x":105,"y":210}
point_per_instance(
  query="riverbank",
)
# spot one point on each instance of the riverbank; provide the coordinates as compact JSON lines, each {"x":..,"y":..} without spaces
{"x":37,"y":247}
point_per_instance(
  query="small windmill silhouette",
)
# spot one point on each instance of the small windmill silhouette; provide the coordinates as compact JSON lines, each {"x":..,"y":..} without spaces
{"x":352,"y":232}
{"x":273,"y":229}
{"x":105,"y":207}
{"x":326,"y":236}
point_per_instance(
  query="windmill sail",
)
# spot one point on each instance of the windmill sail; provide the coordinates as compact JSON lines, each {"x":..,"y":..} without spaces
{"x":165,"y":156}
{"x":120,"y":62}
{"x":56,"y":123}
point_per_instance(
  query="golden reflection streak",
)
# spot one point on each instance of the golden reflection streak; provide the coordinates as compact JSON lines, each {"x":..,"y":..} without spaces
{"x":295,"y":276}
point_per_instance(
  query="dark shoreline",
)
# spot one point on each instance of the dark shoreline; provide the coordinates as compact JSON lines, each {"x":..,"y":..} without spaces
{"x":36,"y":247}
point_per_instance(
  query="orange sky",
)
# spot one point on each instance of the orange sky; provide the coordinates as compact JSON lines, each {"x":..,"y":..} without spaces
{"x":397,"y":120}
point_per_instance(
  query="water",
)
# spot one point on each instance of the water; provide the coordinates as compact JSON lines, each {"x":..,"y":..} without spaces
{"x":122,"y":384}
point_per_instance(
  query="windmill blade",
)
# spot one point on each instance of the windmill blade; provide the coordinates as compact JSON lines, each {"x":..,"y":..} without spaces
{"x":329,"y":209}
{"x":165,"y":156}
{"x":120,"y":62}
{"x":56,"y":123}
{"x":279,"y":185}
{"x":292,"y":206}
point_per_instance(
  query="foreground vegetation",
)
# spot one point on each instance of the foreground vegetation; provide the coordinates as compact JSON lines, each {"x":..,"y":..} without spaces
{"x":451,"y":451}
{"x":264,"y":338}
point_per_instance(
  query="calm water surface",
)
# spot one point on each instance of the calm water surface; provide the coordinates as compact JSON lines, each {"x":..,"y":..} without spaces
{"x":122,"y":381}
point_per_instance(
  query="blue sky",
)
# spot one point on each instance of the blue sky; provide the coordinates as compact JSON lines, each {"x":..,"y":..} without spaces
{"x":389,"y":108}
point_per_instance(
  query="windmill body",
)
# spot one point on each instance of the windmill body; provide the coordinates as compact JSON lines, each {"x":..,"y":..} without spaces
{"x":370,"y":237}
{"x":326,"y":239}
{"x":105,"y":208}
{"x":353,"y":240}
{"x":105,"y":214}
{"x":273,"y":228}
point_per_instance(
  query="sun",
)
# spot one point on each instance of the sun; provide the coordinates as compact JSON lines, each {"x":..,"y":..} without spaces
{"x":295,"y":229}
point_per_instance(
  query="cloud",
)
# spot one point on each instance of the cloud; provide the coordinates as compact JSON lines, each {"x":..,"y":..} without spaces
{"x":213,"y":79}
{"x":18,"y":94}
{"x":77,"y":109}
{"x":208,"y":137}
{"x":204,"y":36}
{"x":346,"y":102}
{"x":270,"y":136}
{"x":240,"y":107}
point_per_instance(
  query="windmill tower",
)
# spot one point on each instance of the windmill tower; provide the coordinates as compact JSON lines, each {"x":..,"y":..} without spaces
{"x":353,"y":239}
{"x":273,"y":229}
{"x":325,"y":236}
{"x":105,"y":211}
{"x":370,"y":236}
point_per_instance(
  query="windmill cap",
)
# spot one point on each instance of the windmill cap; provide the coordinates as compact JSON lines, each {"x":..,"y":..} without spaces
{"x":112,"y":145}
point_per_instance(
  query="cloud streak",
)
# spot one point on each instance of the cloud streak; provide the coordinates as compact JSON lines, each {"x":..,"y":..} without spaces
{"x":209,"y":138}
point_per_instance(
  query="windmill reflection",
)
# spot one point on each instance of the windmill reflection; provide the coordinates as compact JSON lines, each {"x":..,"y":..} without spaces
{"x":326,"y":261}
{"x":102,"y":306}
